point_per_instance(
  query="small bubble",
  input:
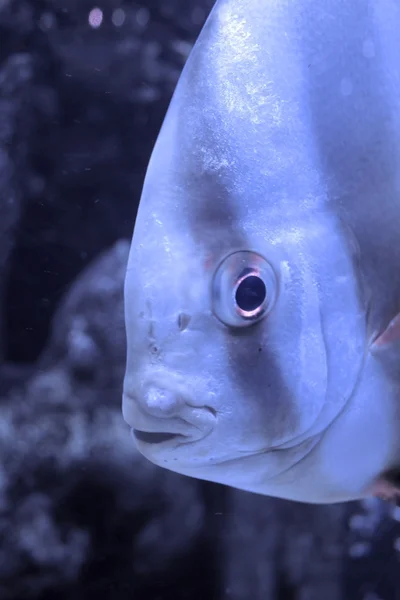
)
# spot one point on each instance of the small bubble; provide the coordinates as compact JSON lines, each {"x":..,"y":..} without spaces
{"x":368,"y":49}
{"x":46,"y":21}
{"x":346,"y":87}
{"x":118,"y":17}
{"x":142,"y":17}
{"x":357,"y":522}
{"x":95,"y":17}
{"x":183,"y":48}
{"x":358,"y":550}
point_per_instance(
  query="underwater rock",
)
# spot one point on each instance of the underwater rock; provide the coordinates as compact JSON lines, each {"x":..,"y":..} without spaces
{"x":277,"y":549}
{"x":101,"y":84}
{"x":15,"y":76}
{"x":80,"y":510}
{"x":372,"y":551}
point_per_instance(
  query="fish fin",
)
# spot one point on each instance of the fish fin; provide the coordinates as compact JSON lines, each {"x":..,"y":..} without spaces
{"x":391,"y":335}
{"x":386,"y":347}
{"x":386,"y":489}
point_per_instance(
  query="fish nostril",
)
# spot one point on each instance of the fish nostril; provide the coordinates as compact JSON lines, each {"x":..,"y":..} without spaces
{"x":183,"y":321}
{"x":154,"y":350}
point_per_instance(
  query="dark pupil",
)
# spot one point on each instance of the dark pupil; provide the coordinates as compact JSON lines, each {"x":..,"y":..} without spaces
{"x":251,"y":293}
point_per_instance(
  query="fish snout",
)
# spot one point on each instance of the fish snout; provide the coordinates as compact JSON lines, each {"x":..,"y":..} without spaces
{"x":162,"y":413}
{"x":162,"y":402}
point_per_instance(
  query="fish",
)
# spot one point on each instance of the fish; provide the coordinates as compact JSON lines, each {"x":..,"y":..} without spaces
{"x":262,"y":291}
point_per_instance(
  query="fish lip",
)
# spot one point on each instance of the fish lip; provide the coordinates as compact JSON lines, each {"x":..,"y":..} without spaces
{"x":193,"y":422}
{"x":155,"y":437}
{"x":162,"y":441}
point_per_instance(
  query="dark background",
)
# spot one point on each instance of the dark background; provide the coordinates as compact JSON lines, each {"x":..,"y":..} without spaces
{"x":81,"y":514}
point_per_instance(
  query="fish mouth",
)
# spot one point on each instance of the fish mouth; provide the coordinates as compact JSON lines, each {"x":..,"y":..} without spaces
{"x":152,"y":437}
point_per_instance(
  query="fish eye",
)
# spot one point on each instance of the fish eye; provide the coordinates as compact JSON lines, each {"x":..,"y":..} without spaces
{"x":244,"y":288}
{"x":250,"y":294}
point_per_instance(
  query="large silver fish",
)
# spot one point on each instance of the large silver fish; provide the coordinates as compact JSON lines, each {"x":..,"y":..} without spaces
{"x":263,"y":281}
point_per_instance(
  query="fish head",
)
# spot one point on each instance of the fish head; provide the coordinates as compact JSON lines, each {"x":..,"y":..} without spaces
{"x":245,"y":317}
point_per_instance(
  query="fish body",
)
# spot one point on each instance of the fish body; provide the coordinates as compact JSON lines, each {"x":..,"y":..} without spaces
{"x":264,"y":264}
